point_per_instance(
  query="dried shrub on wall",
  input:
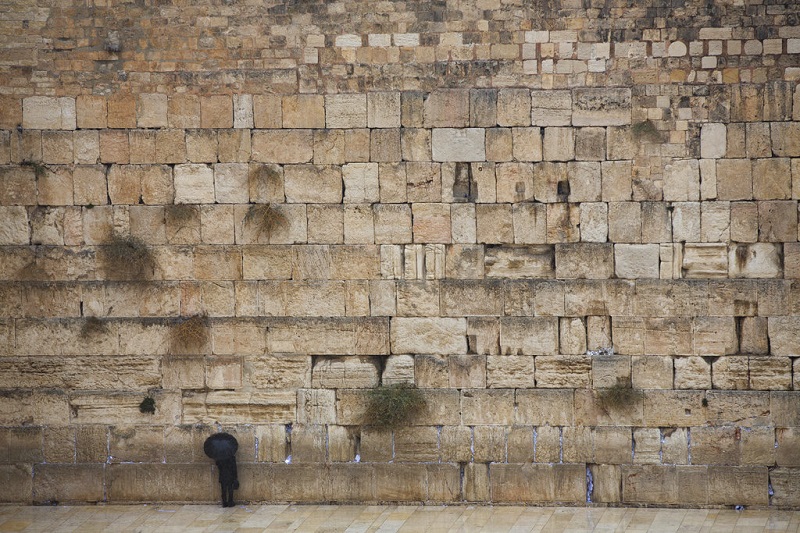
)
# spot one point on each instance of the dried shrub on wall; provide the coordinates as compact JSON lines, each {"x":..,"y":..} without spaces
{"x":394,"y":405}
{"x":263,"y":219}
{"x":93,"y":326}
{"x":127,"y":257}
{"x":190,"y":333}
{"x":621,"y":395}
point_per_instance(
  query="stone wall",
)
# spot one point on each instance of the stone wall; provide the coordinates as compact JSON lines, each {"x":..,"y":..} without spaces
{"x":573,"y":225}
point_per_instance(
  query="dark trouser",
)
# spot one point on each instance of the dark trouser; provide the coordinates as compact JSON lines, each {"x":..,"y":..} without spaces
{"x":227,"y":494}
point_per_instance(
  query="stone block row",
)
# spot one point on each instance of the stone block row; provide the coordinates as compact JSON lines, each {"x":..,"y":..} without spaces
{"x":455,"y":108}
{"x":434,"y":483}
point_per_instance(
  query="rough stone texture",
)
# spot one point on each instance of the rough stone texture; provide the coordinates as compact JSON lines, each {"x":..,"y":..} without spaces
{"x":493,"y":203}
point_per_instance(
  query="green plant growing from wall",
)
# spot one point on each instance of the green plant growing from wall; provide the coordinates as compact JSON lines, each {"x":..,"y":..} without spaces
{"x":190,"y":333}
{"x":391,"y":406}
{"x":127,"y":257}
{"x":39,"y":168}
{"x":264,"y":219}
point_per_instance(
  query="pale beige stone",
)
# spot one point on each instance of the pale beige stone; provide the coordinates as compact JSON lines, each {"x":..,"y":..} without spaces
{"x":283,"y":146}
{"x":467,"y":144}
{"x":312,"y":184}
{"x":194,"y":184}
{"x":346,"y":110}
{"x":428,"y":335}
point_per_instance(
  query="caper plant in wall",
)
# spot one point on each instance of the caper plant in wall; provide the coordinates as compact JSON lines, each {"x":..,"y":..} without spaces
{"x":263,"y":219}
{"x":126,"y":257}
{"x":392,"y":406}
{"x":190,"y":333}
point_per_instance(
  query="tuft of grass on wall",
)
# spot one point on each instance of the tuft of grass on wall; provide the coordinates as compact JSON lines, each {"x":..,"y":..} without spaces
{"x":393,"y":406}
{"x":190,"y":333}
{"x":127,"y":257}
{"x":264,"y":219}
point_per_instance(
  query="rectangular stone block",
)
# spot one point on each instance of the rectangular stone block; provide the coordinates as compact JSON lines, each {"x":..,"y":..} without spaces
{"x":529,"y":336}
{"x":69,"y":483}
{"x":467,"y":144}
{"x":283,"y":146}
{"x":176,"y":482}
{"x":536,"y":483}
{"x":601,"y":107}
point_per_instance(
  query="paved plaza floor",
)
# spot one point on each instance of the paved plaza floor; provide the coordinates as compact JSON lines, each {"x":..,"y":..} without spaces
{"x":386,"y":518}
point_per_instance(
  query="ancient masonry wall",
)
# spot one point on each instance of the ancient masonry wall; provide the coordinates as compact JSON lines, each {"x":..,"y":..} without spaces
{"x":572,"y":224}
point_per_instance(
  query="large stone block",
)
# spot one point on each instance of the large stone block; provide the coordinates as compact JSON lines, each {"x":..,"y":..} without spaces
{"x":537,"y":483}
{"x":346,"y":110}
{"x":450,"y":144}
{"x":161,"y":482}
{"x":601,"y":107}
{"x":757,"y":260}
{"x":428,"y":335}
{"x":312,"y":184}
{"x":529,"y":336}
{"x":69,"y":483}
{"x":283,"y":146}
{"x":585,"y":260}
{"x":49,"y":113}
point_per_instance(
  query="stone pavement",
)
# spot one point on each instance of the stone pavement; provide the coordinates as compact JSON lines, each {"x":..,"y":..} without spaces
{"x":387,"y":518}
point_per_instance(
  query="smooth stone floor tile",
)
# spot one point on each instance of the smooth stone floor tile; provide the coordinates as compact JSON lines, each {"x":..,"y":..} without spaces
{"x":387,"y":518}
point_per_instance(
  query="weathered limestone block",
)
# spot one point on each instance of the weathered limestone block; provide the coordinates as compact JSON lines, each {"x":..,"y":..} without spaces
{"x":770,"y":373}
{"x":753,"y":409}
{"x":428,"y":335}
{"x":563,"y":371}
{"x":777,"y":221}
{"x":48,"y":113}
{"x":231,"y":182}
{"x":705,"y":260}
{"x":346,"y":110}
{"x":303,"y":111}
{"x":714,"y":335}
{"x":330,"y":336}
{"x":467,"y":144}
{"x":423,"y":181}
{"x":510,"y":371}
{"x":551,"y":108}
{"x":534,"y":483}
{"x":90,"y":111}
{"x":713,"y":141}
{"x":360,"y":182}
{"x":483,"y":108}
{"x":385,"y":145}
{"x":398,"y":369}
{"x":530,"y":223}
{"x":584,"y":181}
{"x":785,"y":139}
{"x":584,"y":260}
{"x":283,"y":146}
{"x":514,"y":182}
{"x":634,"y":261}
{"x":14,"y":225}
{"x":68,"y":483}
{"x":590,"y":144}
{"x":516,"y":262}
{"x":239,"y":407}
{"x":513,"y":107}
{"x":448,"y":108}
{"x":746,"y":485}
{"x":529,"y":336}
{"x":772,"y":179}
{"x":344,"y":372}
{"x":400,"y":482}
{"x":216,"y":111}
{"x":601,"y":107}
{"x":548,"y":444}
{"x":178,"y":482}
{"x":682,"y":181}
{"x":785,"y":483}
{"x":734,"y":179}
{"x":341,"y":443}
{"x":757,"y":260}
{"x":692,"y":373}
{"x":383,"y":109}
{"x":541,"y":407}
{"x":494,"y":223}
{"x":572,"y":336}
{"x":309,"y":443}
{"x":731,"y":373}
{"x":558,"y":144}
{"x":416,"y":444}
{"x":487,"y":407}
{"x":782,"y":335}
{"x":431,"y":223}
{"x":625,"y":222}
{"x":669,"y":408}
{"x":194,"y":184}
{"x":313,"y":184}
{"x":326,"y":224}
{"x":471,"y":298}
